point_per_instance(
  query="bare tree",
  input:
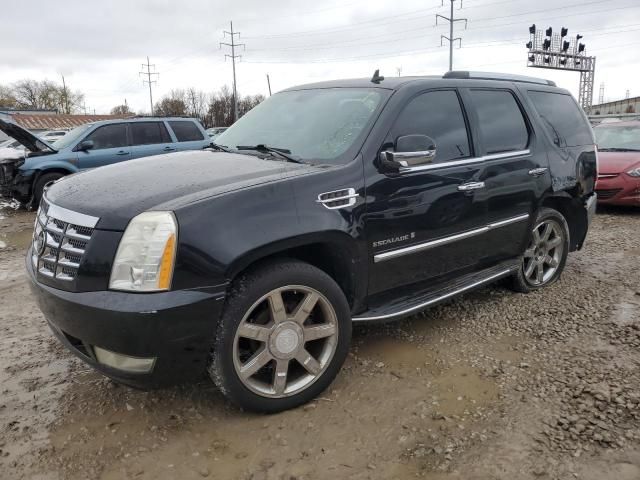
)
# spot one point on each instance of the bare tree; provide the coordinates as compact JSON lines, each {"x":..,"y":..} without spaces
{"x":45,"y":95}
{"x":122,"y":110}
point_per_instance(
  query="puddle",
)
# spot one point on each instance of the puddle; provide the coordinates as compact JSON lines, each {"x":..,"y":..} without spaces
{"x":392,"y":351}
{"x":20,"y":240}
{"x":461,"y":388}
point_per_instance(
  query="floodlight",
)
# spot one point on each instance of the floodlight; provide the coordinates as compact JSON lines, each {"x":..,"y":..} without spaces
{"x":530,"y":45}
{"x":563,"y":32}
{"x":532,"y":29}
{"x":581,"y":47}
{"x":549,"y":32}
{"x":565,"y":46}
{"x":546,"y":44}
{"x":532,"y":58}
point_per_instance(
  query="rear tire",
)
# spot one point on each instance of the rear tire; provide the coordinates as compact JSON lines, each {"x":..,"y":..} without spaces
{"x":44,"y":180}
{"x":282,"y":338}
{"x":546,"y":254}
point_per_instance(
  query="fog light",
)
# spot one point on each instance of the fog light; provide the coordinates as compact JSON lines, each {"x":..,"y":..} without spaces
{"x":124,"y":362}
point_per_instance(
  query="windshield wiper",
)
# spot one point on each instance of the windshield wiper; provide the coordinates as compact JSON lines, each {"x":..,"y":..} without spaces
{"x":615,"y":149}
{"x":222,"y":148}
{"x":281,"y":152}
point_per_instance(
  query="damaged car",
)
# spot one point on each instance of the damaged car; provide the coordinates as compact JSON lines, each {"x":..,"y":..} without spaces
{"x":24,"y":177}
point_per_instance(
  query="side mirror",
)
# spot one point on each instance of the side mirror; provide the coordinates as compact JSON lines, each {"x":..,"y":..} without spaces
{"x":409,"y":151}
{"x":85,"y":145}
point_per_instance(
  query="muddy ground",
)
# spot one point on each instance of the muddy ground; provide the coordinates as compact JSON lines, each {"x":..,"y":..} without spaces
{"x":493,"y":385}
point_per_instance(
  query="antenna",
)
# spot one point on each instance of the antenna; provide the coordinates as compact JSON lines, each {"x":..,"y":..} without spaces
{"x":377,"y":78}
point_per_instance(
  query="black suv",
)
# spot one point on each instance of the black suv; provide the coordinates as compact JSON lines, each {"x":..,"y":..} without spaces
{"x":329,"y":204}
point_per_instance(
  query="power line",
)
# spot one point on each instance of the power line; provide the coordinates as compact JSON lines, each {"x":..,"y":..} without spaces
{"x":450,"y":38}
{"x":149,"y":74}
{"x":233,"y":57}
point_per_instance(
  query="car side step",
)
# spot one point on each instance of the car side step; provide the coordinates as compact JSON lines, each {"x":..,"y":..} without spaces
{"x":422,"y":300}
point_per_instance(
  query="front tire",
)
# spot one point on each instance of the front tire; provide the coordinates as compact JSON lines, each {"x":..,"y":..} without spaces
{"x":42,"y":182}
{"x":282,"y":338}
{"x":546,"y":254}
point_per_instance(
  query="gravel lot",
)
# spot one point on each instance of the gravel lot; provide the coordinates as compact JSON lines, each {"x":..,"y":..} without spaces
{"x":493,"y":385}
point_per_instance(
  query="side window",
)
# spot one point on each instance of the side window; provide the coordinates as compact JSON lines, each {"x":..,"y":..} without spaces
{"x":439,"y":115}
{"x":561,"y":118}
{"x":502,"y":125}
{"x":109,"y":136}
{"x":148,"y":133}
{"x":186,"y":131}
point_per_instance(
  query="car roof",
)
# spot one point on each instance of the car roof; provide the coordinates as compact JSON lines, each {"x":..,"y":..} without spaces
{"x":627,"y":123}
{"x":144,"y":119}
{"x":458,"y":78}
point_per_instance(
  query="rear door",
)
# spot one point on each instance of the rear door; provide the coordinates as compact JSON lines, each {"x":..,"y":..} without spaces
{"x":515,"y":173}
{"x":110,"y":145}
{"x":187,"y":135}
{"x":150,"y":138}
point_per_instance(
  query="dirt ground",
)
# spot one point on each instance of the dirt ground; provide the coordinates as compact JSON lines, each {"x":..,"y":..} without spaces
{"x":492,"y":385}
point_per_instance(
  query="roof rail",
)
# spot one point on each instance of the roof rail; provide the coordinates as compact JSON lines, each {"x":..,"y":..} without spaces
{"x":498,"y":76}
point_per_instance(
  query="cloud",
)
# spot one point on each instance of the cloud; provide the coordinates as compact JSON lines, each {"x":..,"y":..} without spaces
{"x":100,"y":46}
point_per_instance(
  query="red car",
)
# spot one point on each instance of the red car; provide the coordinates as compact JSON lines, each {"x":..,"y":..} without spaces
{"x":618,"y":163}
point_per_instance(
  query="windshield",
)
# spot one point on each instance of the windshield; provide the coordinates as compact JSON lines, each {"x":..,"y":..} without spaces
{"x":618,"y":138}
{"x":71,"y":137}
{"x":321,"y":124}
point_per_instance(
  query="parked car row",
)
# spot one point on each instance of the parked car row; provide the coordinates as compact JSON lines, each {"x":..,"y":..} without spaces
{"x":89,"y":146}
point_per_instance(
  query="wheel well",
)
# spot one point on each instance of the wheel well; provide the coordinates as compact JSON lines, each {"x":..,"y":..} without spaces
{"x":328,"y":257}
{"x":51,"y":170}
{"x":574,"y":214}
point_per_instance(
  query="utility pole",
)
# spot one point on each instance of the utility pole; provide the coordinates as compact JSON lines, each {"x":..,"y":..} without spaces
{"x":65,"y":96}
{"x":450,"y":38}
{"x":233,"y":57}
{"x":149,"y":73}
{"x":626,"y":96}
{"x":269,"y":84}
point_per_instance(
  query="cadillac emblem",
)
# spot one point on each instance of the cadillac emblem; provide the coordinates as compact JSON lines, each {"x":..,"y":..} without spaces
{"x":40,"y":242}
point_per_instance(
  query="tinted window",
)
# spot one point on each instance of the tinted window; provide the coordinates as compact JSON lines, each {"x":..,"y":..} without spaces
{"x":438,"y":115}
{"x":562,"y":118}
{"x":109,"y":136}
{"x":148,"y":133}
{"x":186,"y":131}
{"x":501,"y":123}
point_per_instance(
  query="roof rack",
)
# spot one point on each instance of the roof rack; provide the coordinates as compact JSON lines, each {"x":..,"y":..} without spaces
{"x":498,"y":76}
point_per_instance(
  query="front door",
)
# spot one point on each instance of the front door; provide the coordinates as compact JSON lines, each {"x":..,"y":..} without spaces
{"x":110,"y":145}
{"x":425,"y":222}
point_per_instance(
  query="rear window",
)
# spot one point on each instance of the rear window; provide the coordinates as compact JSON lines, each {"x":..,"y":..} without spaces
{"x":186,"y":131}
{"x":502,"y":125}
{"x":148,"y":133}
{"x":562,"y":118}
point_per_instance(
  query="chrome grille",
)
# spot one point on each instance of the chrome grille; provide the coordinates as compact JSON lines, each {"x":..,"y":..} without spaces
{"x":60,"y":238}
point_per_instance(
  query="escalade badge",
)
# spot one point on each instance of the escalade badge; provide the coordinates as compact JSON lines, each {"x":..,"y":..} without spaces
{"x":40,"y":243}
{"x":390,"y":241}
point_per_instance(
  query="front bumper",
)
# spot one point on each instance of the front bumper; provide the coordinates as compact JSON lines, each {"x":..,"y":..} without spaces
{"x":177,"y":328}
{"x":621,"y":190}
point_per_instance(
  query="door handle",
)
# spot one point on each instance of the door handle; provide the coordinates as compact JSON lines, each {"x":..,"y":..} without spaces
{"x":536,"y":172}
{"x":467,"y":187}
{"x":122,"y":152}
{"x":169,"y":149}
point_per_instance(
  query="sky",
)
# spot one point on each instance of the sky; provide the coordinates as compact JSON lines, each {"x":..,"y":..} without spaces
{"x":100,"y":46}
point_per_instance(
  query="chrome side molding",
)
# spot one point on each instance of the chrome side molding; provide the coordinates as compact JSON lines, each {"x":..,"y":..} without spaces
{"x":466,"y":161}
{"x":381,"y":257}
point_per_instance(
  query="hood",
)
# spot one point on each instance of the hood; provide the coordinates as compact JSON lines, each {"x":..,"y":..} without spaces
{"x":116,"y":193}
{"x":10,"y":155}
{"x":24,"y":136}
{"x":617,"y":162}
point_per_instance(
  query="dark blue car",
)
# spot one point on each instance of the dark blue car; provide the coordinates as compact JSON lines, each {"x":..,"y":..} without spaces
{"x":89,"y":146}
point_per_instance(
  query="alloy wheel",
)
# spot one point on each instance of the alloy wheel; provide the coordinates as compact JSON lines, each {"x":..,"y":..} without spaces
{"x":285,"y":342}
{"x":544,"y":253}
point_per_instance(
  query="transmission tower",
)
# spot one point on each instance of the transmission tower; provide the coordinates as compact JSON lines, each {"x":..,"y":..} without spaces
{"x":450,"y":38}
{"x":149,"y":74}
{"x":601,"y":94}
{"x":233,"y":57}
{"x":626,"y":96}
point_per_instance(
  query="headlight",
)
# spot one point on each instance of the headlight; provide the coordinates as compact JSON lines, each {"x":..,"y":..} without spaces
{"x":146,"y":254}
{"x":635,"y":172}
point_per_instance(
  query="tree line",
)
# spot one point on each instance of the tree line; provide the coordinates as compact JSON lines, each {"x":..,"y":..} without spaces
{"x":41,"y":95}
{"x":213,"y":110}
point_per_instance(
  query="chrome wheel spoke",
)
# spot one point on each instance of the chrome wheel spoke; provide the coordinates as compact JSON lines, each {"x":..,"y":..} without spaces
{"x":529,"y":269}
{"x":276,"y":307}
{"x":536,"y":237}
{"x":255,"y":363}
{"x":547,"y":231}
{"x":554,"y":242}
{"x":305,"y":307}
{"x":539,"y":272}
{"x":307,"y":361}
{"x":280,"y":376}
{"x":552,"y":262}
{"x":319,"y":331}
{"x":529,"y":252}
{"x":254,"y":332}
